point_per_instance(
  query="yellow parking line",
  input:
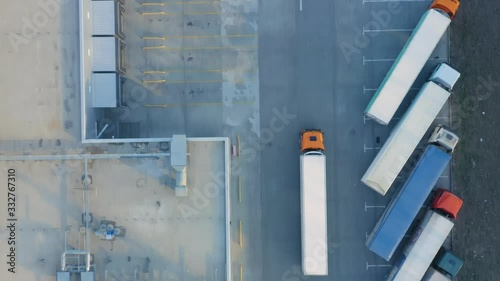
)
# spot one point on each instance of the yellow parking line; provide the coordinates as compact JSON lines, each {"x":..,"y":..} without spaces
{"x":211,"y":48}
{"x":154,"y":72}
{"x":192,"y":13}
{"x":153,"y":81}
{"x":153,"y":4}
{"x":152,"y":13}
{"x":239,"y":189}
{"x":241,"y":233}
{"x":154,"y":47}
{"x":201,"y":81}
{"x":241,"y":272}
{"x":166,"y":105}
{"x":237,"y":69}
{"x":182,"y":70}
{"x":192,"y":3}
{"x":239,"y":152}
{"x":153,"y":38}
{"x":211,"y":36}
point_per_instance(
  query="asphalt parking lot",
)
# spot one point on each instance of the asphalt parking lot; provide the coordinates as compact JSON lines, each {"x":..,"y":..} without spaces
{"x":190,"y":66}
{"x":322,"y":61}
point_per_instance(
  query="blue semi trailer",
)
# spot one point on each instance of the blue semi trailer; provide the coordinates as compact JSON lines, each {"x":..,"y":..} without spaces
{"x":403,"y":208}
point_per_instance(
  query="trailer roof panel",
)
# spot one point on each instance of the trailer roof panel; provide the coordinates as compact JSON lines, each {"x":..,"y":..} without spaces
{"x":423,"y":247}
{"x":404,"y":207}
{"x":405,"y":137}
{"x":313,"y":209}
{"x":407,"y":66}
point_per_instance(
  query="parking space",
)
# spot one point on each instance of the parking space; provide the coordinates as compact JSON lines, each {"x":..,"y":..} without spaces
{"x":377,"y":59}
{"x":332,"y":78}
{"x":188,"y":64}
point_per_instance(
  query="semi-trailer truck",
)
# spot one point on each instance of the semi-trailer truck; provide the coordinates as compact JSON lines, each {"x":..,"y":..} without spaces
{"x":404,"y":206}
{"x":446,"y":265}
{"x":423,"y":246}
{"x":408,"y":132}
{"x":411,"y":60}
{"x":313,"y":203}
{"x":434,"y":275}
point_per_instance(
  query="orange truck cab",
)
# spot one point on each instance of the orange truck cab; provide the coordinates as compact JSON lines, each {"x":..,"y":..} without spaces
{"x":450,"y":7}
{"x":447,"y":202}
{"x":311,"y":140}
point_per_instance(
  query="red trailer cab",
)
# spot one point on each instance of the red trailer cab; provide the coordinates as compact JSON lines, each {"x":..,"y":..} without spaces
{"x":447,"y":202}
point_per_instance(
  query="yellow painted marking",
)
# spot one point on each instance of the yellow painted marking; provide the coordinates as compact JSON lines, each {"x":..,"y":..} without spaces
{"x":237,"y":69}
{"x":201,"y":81}
{"x":241,"y":233}
{"x":192,"y":3}
{"x":192,"y":13}
{"x":211,"y":36}
{"x":239,"y":189}
{"x":153,"y":38}
{"x":166,"y":105}
{"x":153,"y":81}
{"x":154,"y":72}
{"x":152,"y":13}
{"x":154,"y":47}
{"x":241,"y":272}
{"x":239,"y":152}
{"x":152,"y":4}
{"x":211,"y":48}
{"x":182,"y":70}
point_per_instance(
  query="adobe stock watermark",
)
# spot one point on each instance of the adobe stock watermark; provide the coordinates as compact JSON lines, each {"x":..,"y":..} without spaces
{"x":253,"y":145}
{"x":362,"y":38}
{"x":483,"y":91}
{"x":199,"y":199}
{"x":33,"y":24}
{"x":295,"y":273}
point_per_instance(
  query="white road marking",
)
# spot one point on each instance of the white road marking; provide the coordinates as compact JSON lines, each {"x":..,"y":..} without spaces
{"x":300,"y":3}
{"x":365,"y":148}
{"x":438,"y":117}
{"x":376,"y":265}
{"x":365,"y":60}
{"x":375,"y":89}
{"x":406,"y":235}
{"x":441,"y":177}
{"x":386,"y":30}
{"x":373,"y":206}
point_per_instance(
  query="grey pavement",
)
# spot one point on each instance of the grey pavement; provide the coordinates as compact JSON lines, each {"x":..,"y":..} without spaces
{"x":304,"y":69}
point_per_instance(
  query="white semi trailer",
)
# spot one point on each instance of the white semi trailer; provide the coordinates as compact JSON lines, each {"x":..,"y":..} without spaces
{"x":424,"y":245}
{"x":406,"y":135}
{"x":434,"y":275}
{"x":411,"y":60}
{"x":313,"y":203}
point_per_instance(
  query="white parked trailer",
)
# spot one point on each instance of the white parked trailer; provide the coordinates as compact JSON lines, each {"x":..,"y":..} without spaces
{"x":407,"y":66}
{"x":424,"y":245}
{"x":434,"y":275}
{"x":313,"y":213}
{"x":405,"y":137}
